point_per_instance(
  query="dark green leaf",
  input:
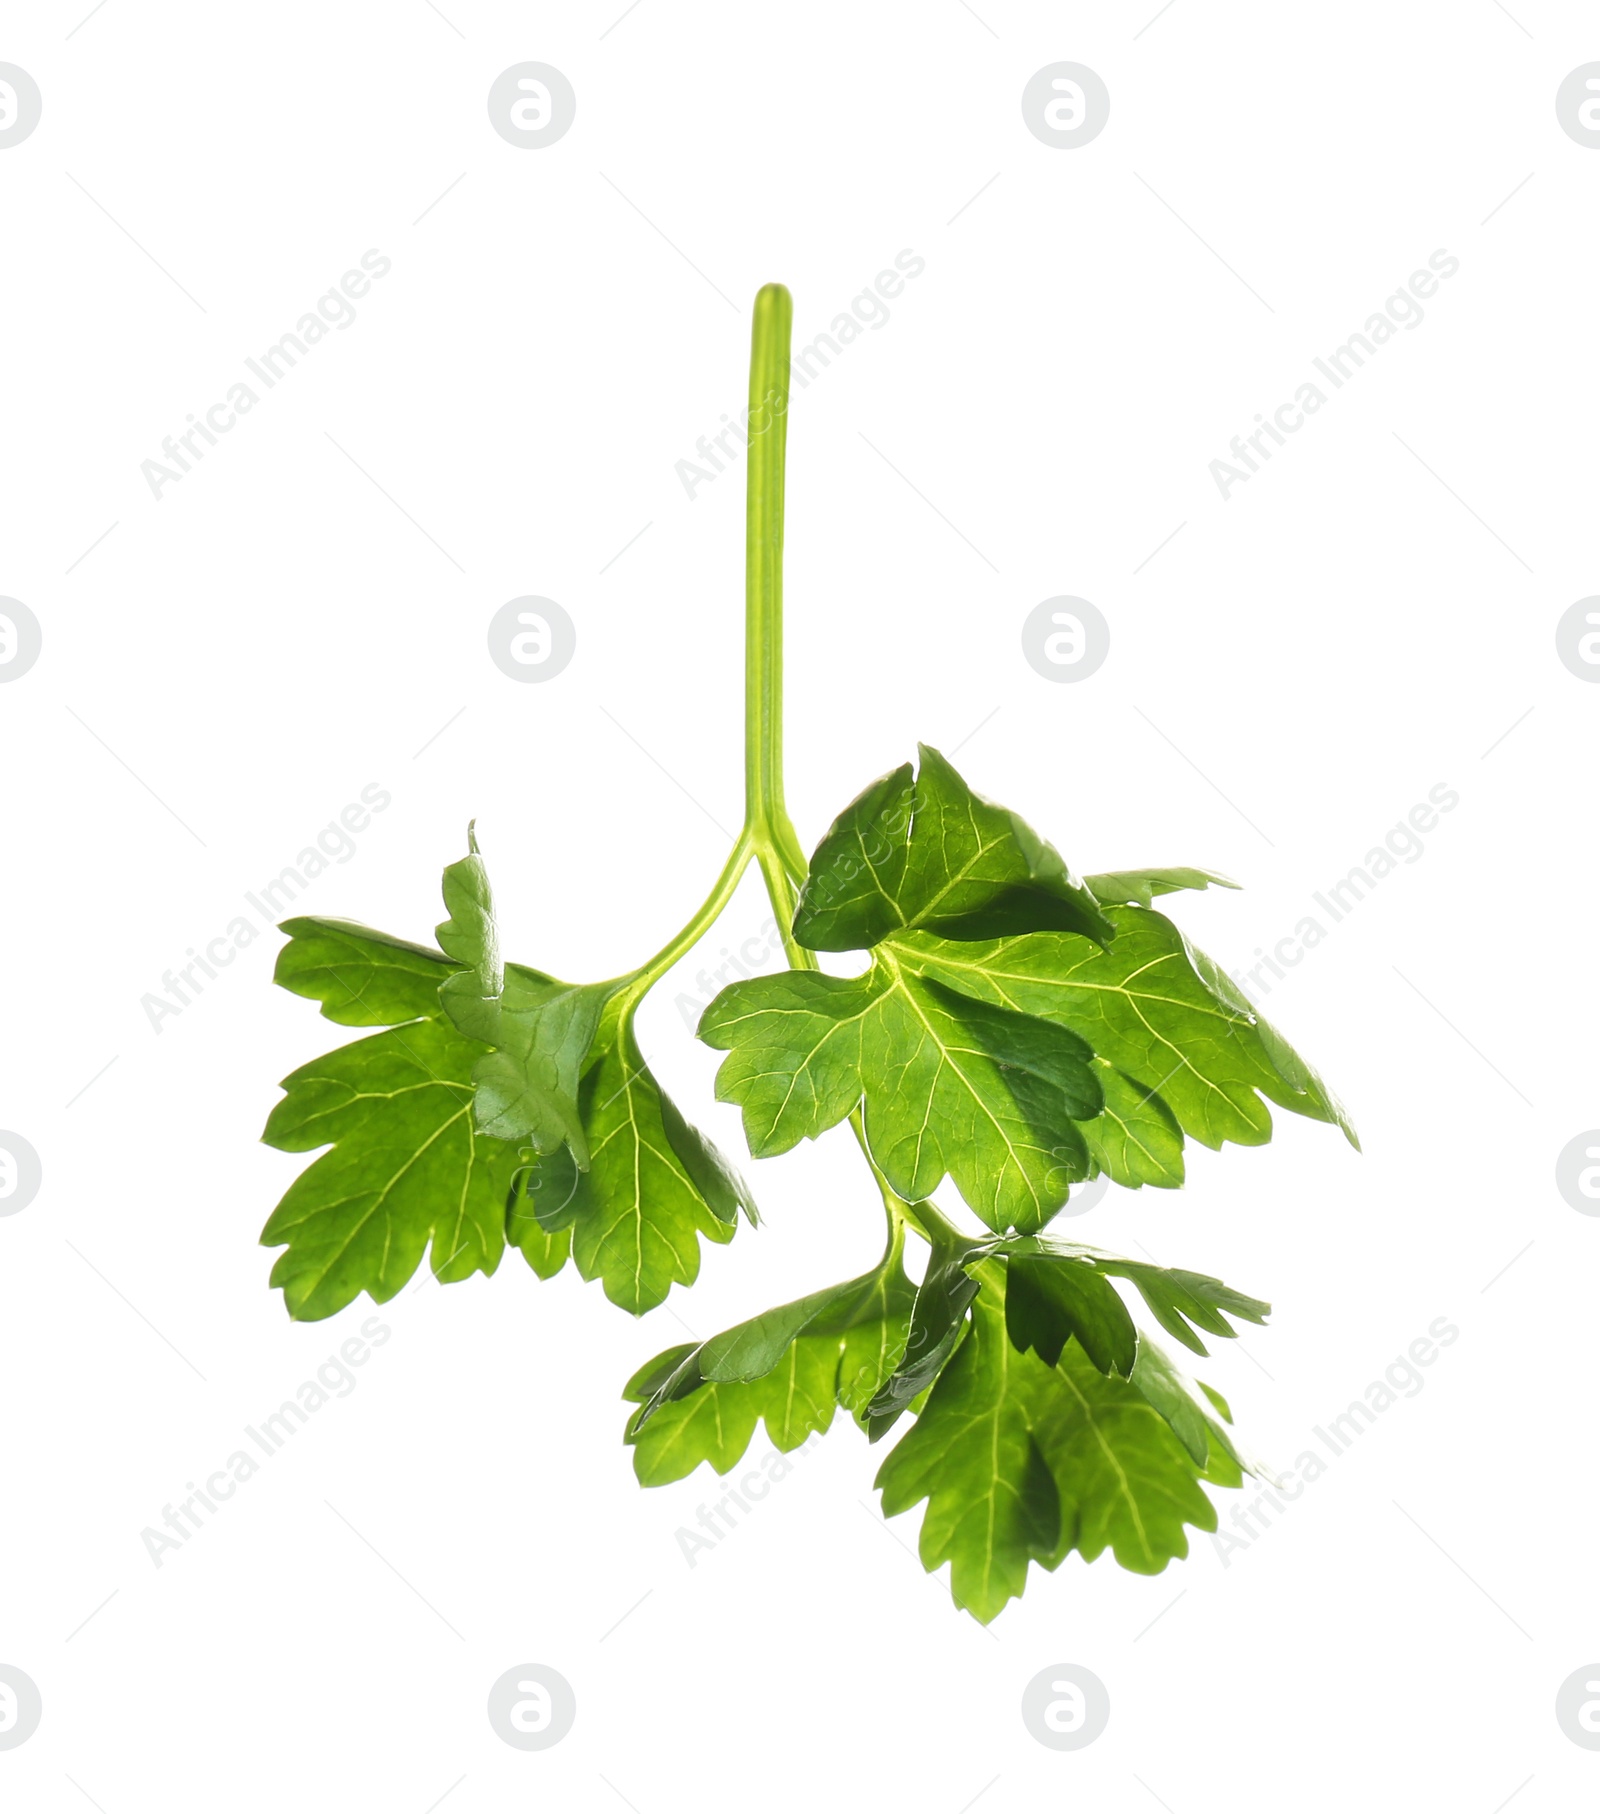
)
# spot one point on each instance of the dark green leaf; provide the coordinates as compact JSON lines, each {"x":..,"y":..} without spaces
{"x":1182,"y":1302}
{"x":852,"y":894}
{"x":1020,"y":1463}
{"x":934,"y":856}
{"x":725,"y":1193}
{"x":754,"y":1348}
{"x":547,"y":1192}
{"x":1179,"y":1299}
{"x":1050,"y":1301}
{"x":937,"y":1319}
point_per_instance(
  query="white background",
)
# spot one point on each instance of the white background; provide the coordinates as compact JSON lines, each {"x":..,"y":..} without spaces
{"x":1294,"y":670}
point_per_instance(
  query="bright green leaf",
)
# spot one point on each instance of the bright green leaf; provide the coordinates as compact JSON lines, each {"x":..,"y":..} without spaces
{"x":655,"y":1187}
{"x":1144,"y":1006}
{"x":1136,"y":1138}
{"x":1136,"y":887}
{"x":362,"y":978}
{"x":406,"y":1165}
{"x":1174,"y":1396}
{"x":972,"y":1454}
{"x":541,"y":1030}
{"x":1127,"y":1484}
{"x":951,"y":1085}
{"x":788,"y":1367}
{"x":472,"y":995}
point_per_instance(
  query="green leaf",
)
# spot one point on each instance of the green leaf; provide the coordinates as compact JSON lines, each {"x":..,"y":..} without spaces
{"x":1136,"y":887}
{"x":938,"y":1318}
{"x":853,"y":893}
{"x":472,"y":994}
{"x":714,"y":1425}
{"x":752,"y":1349}
{"x":1175,"y":1397}
{"x":655,"y":1373}
{"x":542,"y":1209}
{"x":1020,"y":1462}
{"x":942,"y":1038}
{"x":1184,"y":1302}
{"x":527,"y":1087}
{"x":1136,"y":1138}
{"x":406,"y":1165}
{"x":1181,"y":1301}
{"x":789,"y":1368}
{"x":722,"y":1189}
{"x":1150,"y":1005}
{"x":993,"y":1502}
{"x":952,"y":1085}
{"x":1050,"y":1302}
{"x":362,"y":978}
{"x":873,"y":1331}
{"x":934,"y":856}
{"x":548,"y":1189}
{"x":477,"y":1123}
{"x":1300,"y":1078}
{"x":654,"y":1188}
{"x":566,"y":1072}
{"x":545,"y":1253}
{"x":1127,"y":1483}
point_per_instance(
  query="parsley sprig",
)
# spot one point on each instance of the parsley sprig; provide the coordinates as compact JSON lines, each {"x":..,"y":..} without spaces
{"x":1016,"y":1029}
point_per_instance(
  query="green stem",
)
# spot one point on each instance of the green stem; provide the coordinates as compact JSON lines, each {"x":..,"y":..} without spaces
{"x":768,"y":835}
{"x":766,"y":817}
{"x":925,"y":1217}
{"x":638,"y":982}
{"x":776,"y":844}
